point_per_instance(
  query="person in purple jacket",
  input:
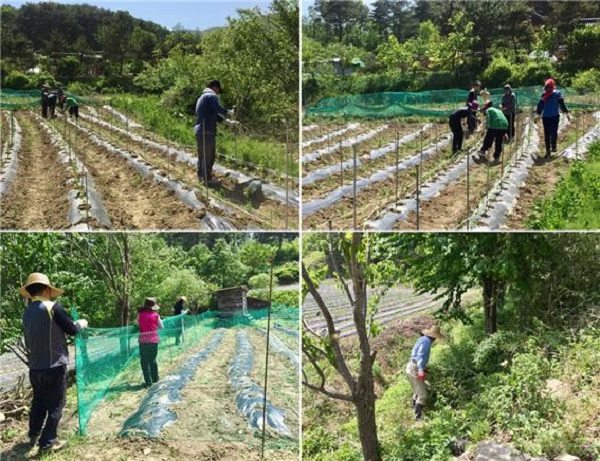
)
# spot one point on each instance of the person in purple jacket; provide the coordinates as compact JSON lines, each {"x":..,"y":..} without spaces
{"x":45,"y":324}
{"x":548,"y":107}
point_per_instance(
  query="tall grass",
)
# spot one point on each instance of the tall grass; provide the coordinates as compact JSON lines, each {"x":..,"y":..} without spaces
{"x":576,"y":202}
{"x":257,"y":152}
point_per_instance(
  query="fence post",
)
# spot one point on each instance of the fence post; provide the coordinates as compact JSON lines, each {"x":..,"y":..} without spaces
{"x":397,"y":161}
{"x":341,"y":164}
{"x":577,"y":137}
{"x":354,"y":188}
{"x":287,"y":175}
{"x":468,"y":190}
{"x":418,"y":194}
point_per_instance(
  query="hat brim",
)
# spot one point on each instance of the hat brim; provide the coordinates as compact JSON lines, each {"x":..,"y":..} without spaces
{"x":54,"y":292}
{"x":156,"y":307}
{"x":433,"y":334}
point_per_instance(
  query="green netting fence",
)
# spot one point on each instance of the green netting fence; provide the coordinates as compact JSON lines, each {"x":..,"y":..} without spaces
{"x":438,"y":103}
{"x":30,"y":99}
{"x":107,"y":359}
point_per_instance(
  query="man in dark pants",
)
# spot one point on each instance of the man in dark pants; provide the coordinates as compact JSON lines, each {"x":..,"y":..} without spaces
{"x":178,"y":308}
{"x":52,"y":97}
{"x":208,"y":111}
{"x":45,"y":324}
{"x":509,"y":109}
{"x":44,"y":100}
{"x":73,"y":106}
{"x":496,"y":129}
{"x":455,"y":122}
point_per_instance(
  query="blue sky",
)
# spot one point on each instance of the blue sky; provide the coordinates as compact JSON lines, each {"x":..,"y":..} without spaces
{"x":196,"y":14}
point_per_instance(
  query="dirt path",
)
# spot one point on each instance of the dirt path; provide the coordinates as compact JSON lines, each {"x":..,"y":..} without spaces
{"x":132,"y":202}
{"x":262,"y":213}
{"x":37,"y":200}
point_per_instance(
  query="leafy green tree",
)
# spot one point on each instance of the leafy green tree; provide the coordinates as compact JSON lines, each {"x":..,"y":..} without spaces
{"x":69,"y":68}
{"x":113,"y":38}
{"x":339,"y":15}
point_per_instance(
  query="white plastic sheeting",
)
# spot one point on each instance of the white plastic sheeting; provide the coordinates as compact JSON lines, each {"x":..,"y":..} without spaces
{"x":188,"y":197}
{"x":341,"y":131}
{"x":379,"y":176}
{"x":249,"y":396}
{"x":8,"y":169}
{"x":79,"y":197}
{"x":270,"y":191}
{"x":374,"y":154}
{"x":123,"y":117}
{"x":578,"y":150}
{"x":317,"y":154}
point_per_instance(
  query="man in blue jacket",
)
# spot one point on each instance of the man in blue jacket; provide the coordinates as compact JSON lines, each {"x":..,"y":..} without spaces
{"x":417,"y":366}
{"x":208,"y":112}
{"x":548,"y":107}
{"x":45,"y":324}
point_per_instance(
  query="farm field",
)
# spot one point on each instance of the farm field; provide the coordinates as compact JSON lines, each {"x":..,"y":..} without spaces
{"x":95,"y":174}
{"x":400,"y":174}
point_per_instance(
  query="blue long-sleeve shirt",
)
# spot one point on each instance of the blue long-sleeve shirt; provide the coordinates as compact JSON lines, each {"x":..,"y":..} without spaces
{"x":208,"y":109}
{"x":551,"y":106}
{"x":420,"y":352}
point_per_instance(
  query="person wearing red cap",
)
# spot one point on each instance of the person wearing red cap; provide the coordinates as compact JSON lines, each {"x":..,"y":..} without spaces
{"x":548,"y":107}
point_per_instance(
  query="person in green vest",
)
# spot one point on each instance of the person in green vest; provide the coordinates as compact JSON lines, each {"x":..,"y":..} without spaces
{"x":73,"y":107}
{"x":496,"y":126}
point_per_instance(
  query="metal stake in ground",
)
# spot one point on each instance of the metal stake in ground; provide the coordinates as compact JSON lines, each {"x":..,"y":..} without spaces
{"x":204,"y":160}
{"x":577,"y":136}
{"x":417,"y":169}
{"x":354,"y":188}
{"x":341,"y":164}
{"x":468,"y":190}
{"x":287,"y":174}
{"x":397,"y":161}
{"x":264,"y":415}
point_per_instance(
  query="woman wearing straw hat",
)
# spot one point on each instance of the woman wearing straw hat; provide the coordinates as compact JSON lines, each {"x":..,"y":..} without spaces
{"x":178,"y":308}
{"x":45,"y":324}
{"x":416,"y":366}
{"x":149,"y":322}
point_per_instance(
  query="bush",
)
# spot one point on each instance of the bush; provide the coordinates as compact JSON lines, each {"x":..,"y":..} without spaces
{"x":534,"y":73}
{"x":498,"y":73}
{"x":16,"y":80}
{"x":261,"y":281}
{"x":288,"y":273}
{"x":285,"y":297}
{"x":586,"y":81}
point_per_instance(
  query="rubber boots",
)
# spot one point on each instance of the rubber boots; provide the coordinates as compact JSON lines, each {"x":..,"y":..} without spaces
{"x":418,"y":411}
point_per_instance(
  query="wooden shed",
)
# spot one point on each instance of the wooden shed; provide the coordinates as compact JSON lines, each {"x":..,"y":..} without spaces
{"x":235,"y":300}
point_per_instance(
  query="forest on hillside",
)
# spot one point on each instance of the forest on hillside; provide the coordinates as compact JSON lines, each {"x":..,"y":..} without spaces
{"x":415,"y":45}
{"x":106,"y":276}
{"x":86,"y":48}
{"x":517,"y":366}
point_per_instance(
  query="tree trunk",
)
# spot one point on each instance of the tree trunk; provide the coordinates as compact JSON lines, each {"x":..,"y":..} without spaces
{"x":365,"y":414}
{"x":488,"y":295}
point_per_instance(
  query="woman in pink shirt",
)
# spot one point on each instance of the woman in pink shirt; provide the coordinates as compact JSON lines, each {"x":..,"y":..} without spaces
{"x":149,"y":322}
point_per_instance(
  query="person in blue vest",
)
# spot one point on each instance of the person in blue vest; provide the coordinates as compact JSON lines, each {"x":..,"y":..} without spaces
{"x":208,"y":112}
{"x":417,"y":367}
{"x":45,"y":324}
{"x":548,"y":107}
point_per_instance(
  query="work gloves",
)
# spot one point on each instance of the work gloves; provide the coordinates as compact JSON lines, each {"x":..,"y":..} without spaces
{"x":421,"y":375}
{"x":81,"y":324}
{"x":230,"y":123}
{"x":231,"y":112}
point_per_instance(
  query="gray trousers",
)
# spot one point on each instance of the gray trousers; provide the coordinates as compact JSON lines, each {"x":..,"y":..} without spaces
{"x":207,"y":153}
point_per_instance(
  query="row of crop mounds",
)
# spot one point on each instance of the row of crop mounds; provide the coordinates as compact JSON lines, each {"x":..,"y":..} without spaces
{"x":380,"y":169}
{"x":212,"y":394}
{"x":469,"y":194}
{"x":269,"y":207}
{"x":399,"y":302}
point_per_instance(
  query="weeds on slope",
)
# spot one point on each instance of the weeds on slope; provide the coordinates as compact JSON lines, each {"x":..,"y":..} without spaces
{"x":576,"y":202}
